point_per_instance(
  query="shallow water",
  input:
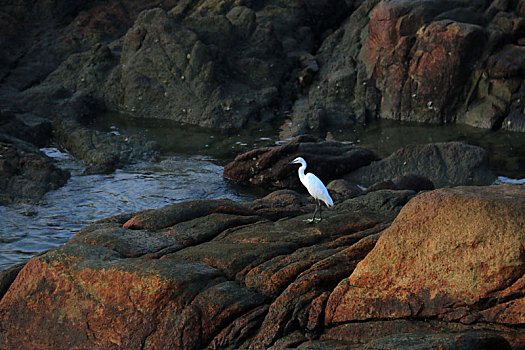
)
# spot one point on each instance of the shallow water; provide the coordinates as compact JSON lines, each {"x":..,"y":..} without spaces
{"x":191,"y":169}
{"x":29,"y":229}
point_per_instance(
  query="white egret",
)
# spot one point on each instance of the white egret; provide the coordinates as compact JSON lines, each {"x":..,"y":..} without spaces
{"x":315,"y":187}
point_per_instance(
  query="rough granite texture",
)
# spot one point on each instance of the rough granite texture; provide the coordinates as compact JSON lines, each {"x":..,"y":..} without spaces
{"x":447,"y":273}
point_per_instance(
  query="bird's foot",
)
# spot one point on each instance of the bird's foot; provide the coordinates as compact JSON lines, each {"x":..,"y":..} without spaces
{"x":313,"y":221}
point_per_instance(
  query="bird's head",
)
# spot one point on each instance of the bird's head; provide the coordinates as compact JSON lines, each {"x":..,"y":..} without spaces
{"x":298,"y":160}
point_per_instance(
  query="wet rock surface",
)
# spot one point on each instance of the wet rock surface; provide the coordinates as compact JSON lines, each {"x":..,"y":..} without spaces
{"x":270,"y":166}
{"x":26,"y":173}
{"x":221,"y":274}
{"x":102,"y":152}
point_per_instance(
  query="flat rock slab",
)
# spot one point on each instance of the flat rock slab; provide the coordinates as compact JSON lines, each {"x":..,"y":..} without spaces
{"x":180,"y":212}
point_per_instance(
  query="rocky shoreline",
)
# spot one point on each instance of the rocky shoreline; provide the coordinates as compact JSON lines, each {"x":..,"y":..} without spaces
{"x":227,"y":64}
{"x":387,"y":269}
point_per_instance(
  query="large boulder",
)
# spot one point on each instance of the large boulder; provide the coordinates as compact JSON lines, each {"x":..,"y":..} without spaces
{"x":53,"y":30}
{"x":426,"y":61}
{"x":432,"y":75}
{"x":26,"y":173}
{"x":221,"y":274}
{"x":213,"y":64}
{"x":452,"y":255}
{"x":223,"y":64}
{"x":445,"y":164}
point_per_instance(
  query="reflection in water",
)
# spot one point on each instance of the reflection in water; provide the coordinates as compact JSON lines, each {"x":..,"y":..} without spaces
{"x":26,"y":230}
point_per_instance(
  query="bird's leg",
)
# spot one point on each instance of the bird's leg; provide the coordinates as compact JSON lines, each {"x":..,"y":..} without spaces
{"x":315,"y":212}
{"x":320,"y":209}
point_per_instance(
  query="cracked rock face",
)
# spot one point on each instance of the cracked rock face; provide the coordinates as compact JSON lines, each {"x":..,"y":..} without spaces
{"x":448,"y":272}
{"x":175,"y":276}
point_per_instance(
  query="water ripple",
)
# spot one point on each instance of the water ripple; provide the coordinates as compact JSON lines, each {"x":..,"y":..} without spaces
{"x":29,"y":229}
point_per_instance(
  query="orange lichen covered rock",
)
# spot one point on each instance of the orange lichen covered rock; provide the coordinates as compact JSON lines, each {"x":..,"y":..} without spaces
{"x":455,"y":254}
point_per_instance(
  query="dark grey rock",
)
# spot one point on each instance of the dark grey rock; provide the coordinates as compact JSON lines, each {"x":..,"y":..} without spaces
{"x":102,"y":152}
{"x":411,"y":182}
{"x":26,"y":173}
{"x":341,"y":189}
{"x":445,"y":164}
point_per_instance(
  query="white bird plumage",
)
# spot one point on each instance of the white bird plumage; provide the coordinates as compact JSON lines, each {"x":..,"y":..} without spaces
{"x":315,"y":187}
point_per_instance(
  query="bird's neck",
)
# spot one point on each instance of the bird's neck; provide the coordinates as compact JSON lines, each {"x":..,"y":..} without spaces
{"x":301,"y":171}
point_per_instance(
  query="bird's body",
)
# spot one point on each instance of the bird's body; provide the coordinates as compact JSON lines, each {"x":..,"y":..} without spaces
{"x":315,"y":187}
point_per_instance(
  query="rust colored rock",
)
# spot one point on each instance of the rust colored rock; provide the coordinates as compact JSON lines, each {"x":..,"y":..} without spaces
{"x":272,"y":277}
{"x":280,"y":204}
{"x":430,"y":62}
{"x":7,"y":277}
{"x":233,"y":258}
{"x":218,"y":280}
{"x":269,"y":166}
{"x":401,"y":334}
{"x":236,"y":334}
{"x":438,"y":69}
{"x":425,"y":61}
{"x":271,"y":248}
{"x":447,"y":250}
{"x":88,"y":297}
